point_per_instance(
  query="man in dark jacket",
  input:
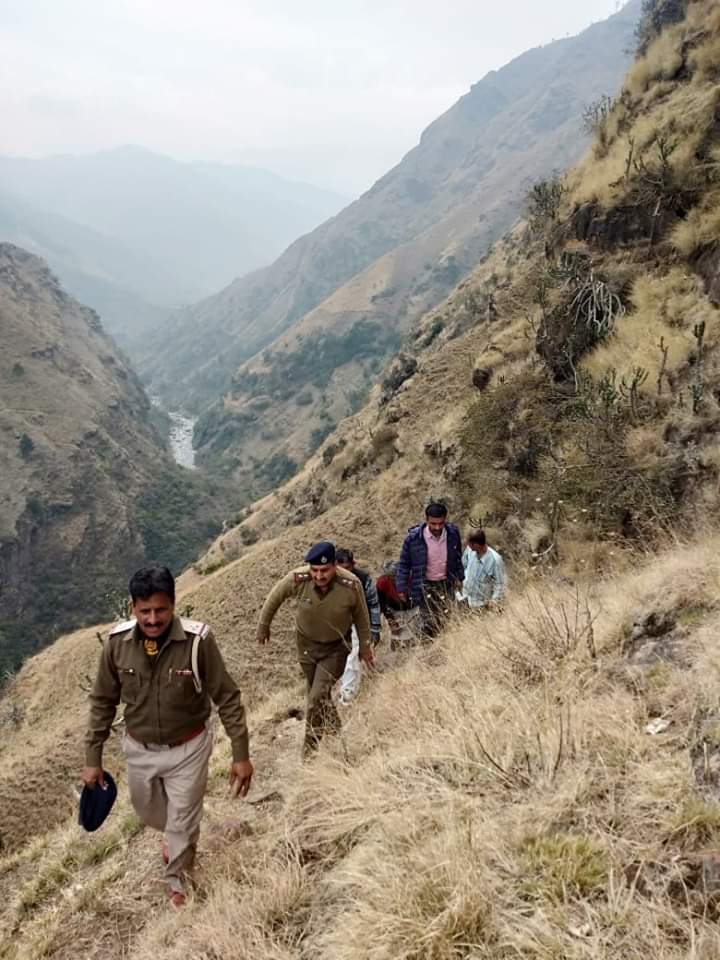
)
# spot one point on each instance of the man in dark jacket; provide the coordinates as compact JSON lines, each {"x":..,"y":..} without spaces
{"x":431,"y":562}
{"x":346,"y":560}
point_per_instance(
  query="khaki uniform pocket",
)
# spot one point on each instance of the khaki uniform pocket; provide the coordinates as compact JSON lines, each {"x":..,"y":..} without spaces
{"x":129,"y":686}
{"x":180,"y":687}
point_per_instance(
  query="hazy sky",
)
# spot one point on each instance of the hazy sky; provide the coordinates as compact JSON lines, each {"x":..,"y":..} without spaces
{"x":330,"y":91}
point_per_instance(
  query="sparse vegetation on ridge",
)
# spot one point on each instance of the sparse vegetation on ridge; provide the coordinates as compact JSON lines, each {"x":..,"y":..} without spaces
{"x":500,"y":795}
{"x":540,"y":784}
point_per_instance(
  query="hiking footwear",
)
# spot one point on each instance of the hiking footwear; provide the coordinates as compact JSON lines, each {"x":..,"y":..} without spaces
{"x":177,"y":899}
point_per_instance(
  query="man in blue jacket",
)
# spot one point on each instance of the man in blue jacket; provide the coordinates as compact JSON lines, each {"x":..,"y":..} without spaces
{"x":431,"y":567}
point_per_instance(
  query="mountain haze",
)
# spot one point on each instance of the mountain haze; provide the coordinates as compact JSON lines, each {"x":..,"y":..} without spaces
{"x":122,"y":285}
{"x":133,"y":222}
{"x":541,"y":781}
{"x":362,"y":277}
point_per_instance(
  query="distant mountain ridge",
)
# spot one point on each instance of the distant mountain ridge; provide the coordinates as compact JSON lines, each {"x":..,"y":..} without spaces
{"x":131,"y":227}
{"x":89,"y":490}
{"x":383,"y":260}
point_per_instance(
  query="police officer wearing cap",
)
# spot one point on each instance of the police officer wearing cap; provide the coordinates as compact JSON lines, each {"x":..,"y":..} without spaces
{"x":329,"y":601}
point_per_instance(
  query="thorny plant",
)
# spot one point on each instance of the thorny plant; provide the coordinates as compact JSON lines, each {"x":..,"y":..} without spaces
{"x":630,"y":390}
{"x":662,"y":372}
{"x":593,"y":302}
{"x":697,"y":388}
{"x":596,"y":306}
{"x":544,"y":202}
{"x":595,"y":121}
{"x":552,"y":634}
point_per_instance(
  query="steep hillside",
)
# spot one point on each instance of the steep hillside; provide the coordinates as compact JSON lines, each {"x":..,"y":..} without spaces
{"x":132,"y":222}
{"x":122,"y":284}
{"x":540,"y":783}
{"x":88,"y":488}
{"x":363,"y":276}
{"x":567,"y":390}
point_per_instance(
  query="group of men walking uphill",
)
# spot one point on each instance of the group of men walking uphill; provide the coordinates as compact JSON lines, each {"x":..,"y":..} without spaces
{"x":168,"y":671}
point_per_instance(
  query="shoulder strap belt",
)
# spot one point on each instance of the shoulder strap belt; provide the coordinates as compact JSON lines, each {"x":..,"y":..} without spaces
{"x":194,"y":663}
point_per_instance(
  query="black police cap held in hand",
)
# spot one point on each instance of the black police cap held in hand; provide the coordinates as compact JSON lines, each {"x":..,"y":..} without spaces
{"x":321,"y":553}
{"x":96,"y":803}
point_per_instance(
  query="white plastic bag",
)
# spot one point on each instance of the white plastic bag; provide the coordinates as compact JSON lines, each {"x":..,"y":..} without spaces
{"x":350,"y":680}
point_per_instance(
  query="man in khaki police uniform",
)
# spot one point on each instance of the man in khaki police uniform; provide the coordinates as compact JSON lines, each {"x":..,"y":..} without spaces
{"x":166,"y":670}
{"x":329,"y":601}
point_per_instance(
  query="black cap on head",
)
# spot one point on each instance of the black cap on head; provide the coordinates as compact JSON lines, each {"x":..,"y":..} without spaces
{"x":321,"y":553}
{"x":96,"y":803}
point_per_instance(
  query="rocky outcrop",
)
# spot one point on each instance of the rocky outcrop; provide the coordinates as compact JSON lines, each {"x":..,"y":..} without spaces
{"x":708,"y":266}
{"x":622,"y":226}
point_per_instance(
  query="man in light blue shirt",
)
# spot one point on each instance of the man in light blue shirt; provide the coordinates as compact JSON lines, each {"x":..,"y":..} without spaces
{"x":484,"y":584}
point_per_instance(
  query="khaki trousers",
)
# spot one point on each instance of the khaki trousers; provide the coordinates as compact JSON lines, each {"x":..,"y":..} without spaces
{"x":167,"y":786}
{"x":322,"y":665}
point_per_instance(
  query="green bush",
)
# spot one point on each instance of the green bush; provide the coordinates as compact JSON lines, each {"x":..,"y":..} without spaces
{"x":177,"y":515}
{"x":319,"y":435}
{"x":543,"y":203}
{"x":274,"y":471}
{"x":25,"y":446}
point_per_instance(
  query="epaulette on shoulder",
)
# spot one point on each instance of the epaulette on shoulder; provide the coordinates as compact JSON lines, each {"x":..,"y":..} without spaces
{"x":123,"y":627}
{"x":195,"y":626}
{"x":347,"y":582}
{"x":301,"y":576}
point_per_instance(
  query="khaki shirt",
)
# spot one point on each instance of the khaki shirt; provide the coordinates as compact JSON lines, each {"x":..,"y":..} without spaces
{"x":161,"y":702}
{"x":321,"y":618}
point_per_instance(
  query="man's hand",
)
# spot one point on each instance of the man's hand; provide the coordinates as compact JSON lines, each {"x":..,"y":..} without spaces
{"x":92,"y":775}
{"x":263,"y":635}
{"x":240,"y":776}
{"x":367,"y":657}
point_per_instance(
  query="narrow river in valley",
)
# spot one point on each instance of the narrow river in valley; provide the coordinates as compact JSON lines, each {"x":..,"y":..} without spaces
{"x":181,"y":437}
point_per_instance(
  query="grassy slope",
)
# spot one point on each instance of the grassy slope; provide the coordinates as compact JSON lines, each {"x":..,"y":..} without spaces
{"x":281,"y":334}
{"x":499,"y":795}
{"x":548,"y":457}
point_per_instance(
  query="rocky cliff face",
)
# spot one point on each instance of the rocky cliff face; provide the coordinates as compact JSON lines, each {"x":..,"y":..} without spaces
{"x":81,"y":465}
{"x":319,"y":323}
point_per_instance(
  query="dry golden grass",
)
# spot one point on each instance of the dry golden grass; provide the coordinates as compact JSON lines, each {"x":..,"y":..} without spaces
{"x":679,"y":110}
{"x":701,"y":228}
{"x":500,"y":797}
{"x":661,"y":62}
{"x":664,"y":306}
{"x":705,"y":60}
{"x":493,"y":796}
